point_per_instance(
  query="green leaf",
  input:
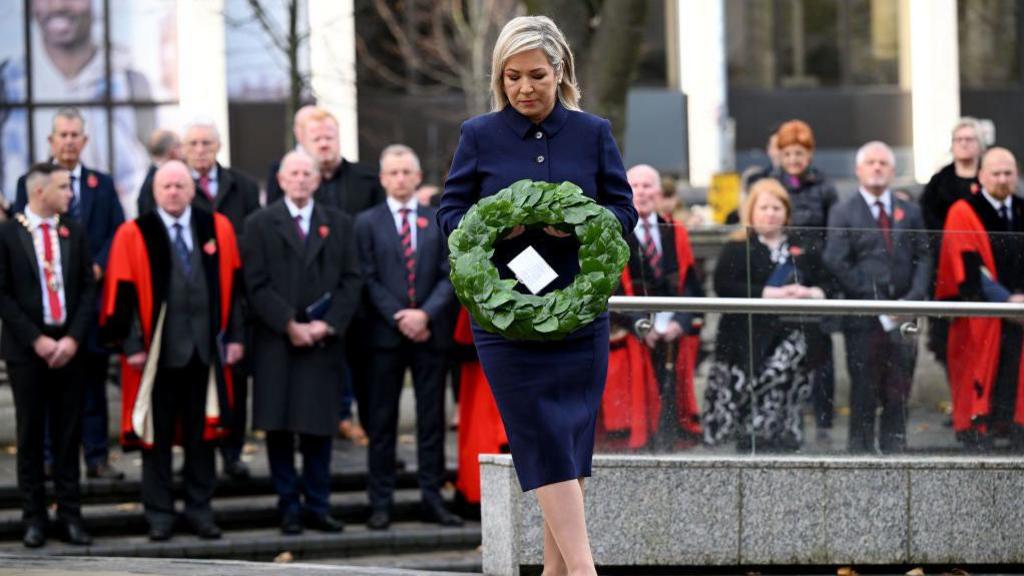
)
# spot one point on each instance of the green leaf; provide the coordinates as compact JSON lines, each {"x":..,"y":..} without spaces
{"x":502,"y":320}
{"x":546,"y":326}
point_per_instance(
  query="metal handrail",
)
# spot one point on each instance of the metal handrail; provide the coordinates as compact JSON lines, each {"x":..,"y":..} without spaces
{"x":818,"y":307}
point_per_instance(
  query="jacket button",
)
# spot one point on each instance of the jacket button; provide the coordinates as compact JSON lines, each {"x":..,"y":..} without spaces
{"x":540,"y":159}
{"x":538,"y":135}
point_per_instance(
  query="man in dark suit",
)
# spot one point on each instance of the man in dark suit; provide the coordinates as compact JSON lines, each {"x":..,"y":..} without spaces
{"x":302,"y":275}
{"x":47,"y":298}
{"x":171,"y":298}
{"x":352,"y":188}
{"x":404,"y":259}
{"x":233,"y":194}
{"x":96,"y":206}
{"x":876,"y":251}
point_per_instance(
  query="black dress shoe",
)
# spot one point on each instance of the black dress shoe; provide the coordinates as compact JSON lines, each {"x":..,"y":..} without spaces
{"x":160,"y":533}
{"x":324,"y":523}
{"x":291,"y":525}
{"x":436,"y":513}
{"x":35,"y":535}
{"x":237,"y":470}
{"x":73,"y":532}
{"x":206,"y":530}
{"x":379,"y":520}
{"x":103,"y":471}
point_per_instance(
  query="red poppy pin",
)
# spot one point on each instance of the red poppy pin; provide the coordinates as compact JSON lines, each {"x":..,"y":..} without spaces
{"x":92,"y":181}
{"x":974,"y":188}
{"x":210,"y":247}
{"x":796,"y":251}
{"x":898,"y":214}
{"x":421,"y":222}
{"x":324,"y":231}
{"x":63,"y":231}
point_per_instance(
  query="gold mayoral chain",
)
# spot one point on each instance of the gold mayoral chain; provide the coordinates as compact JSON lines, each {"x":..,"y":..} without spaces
{"x":53,"y":282}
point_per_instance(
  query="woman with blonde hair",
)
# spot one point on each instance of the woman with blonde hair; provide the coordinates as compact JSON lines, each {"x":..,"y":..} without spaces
{"x":548,"y":393}
{"x":758,"y":379}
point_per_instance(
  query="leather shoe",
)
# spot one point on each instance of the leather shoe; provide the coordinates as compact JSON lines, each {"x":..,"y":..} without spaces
{"x":291,"y":525}
{"x":324,"y":523}
{"x":379,"y":520}
{"x":104,"y":471}
{"x":160,"y":533}
{"x":35,"y":535}
{"x":436,"y":513}
{"x":74,"y":533}
{"x":206,"y":530}
{"x":237,"y":470}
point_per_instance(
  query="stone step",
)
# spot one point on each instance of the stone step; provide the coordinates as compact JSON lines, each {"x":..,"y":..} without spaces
{"x":267,"y":544}
{"x":463,"y":561}
{"x":232,"y":513}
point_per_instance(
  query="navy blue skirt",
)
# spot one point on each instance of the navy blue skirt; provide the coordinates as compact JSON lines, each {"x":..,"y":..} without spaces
{"x":548,"y":394}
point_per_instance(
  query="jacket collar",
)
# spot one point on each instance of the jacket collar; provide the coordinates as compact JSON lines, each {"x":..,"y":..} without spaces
{"x":524,"y":127}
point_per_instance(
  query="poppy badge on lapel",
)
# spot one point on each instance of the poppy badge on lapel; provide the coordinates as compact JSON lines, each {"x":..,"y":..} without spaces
{"x":898,"y":214}
{"x":974,"y":188}
{"x":92,"y":181}
{"x":324,"y":231}
{"x":421,"y":222}
{"x":63,"y":231}
{"x":796,"y":251}
{"x":210,"y":247}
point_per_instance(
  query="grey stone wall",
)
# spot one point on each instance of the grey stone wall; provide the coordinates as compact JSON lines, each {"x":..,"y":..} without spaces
{"x":696,"y":511}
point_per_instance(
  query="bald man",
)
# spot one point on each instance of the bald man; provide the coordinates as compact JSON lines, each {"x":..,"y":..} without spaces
{"x":982,"y":259}
{"x":170,"y":300}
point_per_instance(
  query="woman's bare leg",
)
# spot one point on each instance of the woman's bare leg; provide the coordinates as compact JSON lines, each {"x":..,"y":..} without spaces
{"x":554,"y":564}
{"x":562,"y":506}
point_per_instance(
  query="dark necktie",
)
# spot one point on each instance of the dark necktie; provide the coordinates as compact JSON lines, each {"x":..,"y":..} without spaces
{"x":298,"y":227}
{"x":181,"y":249}
{"x":651,"y":254}
{"x":409,"y":254}
{"x":1004,"y":215}
{"x":884,"y":225}
{"x":73,"y":208}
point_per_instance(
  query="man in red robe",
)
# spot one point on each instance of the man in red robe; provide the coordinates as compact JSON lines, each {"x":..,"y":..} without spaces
{"x":982,"y":258}
{"x":169,"y":300}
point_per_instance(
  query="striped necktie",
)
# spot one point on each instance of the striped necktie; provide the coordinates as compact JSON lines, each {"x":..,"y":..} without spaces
{"x":651,"y":254}
{"x":409,"y":254}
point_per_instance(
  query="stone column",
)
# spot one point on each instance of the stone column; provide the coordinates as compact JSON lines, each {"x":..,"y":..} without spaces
{"x":934,"y":74}
{"x":332,"y":58}
{"x":700,"y":33}
{"x":202,"y":67}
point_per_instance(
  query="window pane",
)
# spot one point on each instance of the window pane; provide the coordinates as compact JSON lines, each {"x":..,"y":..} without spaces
{"x":144,"y":50}
{"x":13,"y":148}
{"x":12,"y":52}
{"x":67,"y":51}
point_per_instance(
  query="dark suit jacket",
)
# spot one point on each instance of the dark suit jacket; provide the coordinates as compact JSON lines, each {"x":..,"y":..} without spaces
{"x":100,"y":209}
{"x":380,"y":253}
{"x":1007,"y":249}
{"x":237,"y":197}
{"x":21,"y":298}
{"x":352,"y":188}
{"x":856,"y":256}
{"x":297,"y":389}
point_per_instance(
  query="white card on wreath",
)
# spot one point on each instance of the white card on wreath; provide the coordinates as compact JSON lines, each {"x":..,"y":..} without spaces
{"x":532,"y":270}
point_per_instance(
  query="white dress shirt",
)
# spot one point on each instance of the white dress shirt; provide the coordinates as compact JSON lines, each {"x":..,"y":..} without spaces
{"x":641,"y":236}
{"x":213,"y":186}
{"x":305,"y":214}
{"x":394,"y":206}
{"x":186,"y":224}
{"x":871,"y":199}
{"x":997,"y":204}
{"x":34,"y":223}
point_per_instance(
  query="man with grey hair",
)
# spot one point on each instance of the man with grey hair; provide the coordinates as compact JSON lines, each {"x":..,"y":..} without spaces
{"x":408,"y":327}
{"x":229,"y":192}
{"x":163,"y":145}
{"x":876,"y":251}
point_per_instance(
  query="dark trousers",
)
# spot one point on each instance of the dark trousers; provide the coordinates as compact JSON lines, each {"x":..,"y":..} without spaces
{"x":179,"y":395}
{"x":231,"y":445}
{"x":881,"y":367}
{"x":316,"y":471}
{"x":347,"y":394}
{"x":1004,"y":390}
{"x":38,"y":392}
{"x":95,"y":432}
{"x":387,"y":373}
{"x":823,"y":385}
{"x":358,"y":368}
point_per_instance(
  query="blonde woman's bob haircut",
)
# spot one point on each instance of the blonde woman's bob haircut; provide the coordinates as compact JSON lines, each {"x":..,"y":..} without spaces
{"x":526,"y":33}
{"x":763,"y":187}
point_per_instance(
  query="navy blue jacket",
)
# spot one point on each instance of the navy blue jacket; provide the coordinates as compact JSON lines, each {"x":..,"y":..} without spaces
{"x":500,"y":148}
{"x":100,"y":209}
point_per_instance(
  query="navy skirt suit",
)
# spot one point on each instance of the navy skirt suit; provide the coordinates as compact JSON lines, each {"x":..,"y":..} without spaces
{"x":548,"y":393}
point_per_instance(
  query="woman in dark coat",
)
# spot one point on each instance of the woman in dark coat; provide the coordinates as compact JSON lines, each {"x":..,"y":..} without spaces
{"x":548,"y":393}
{"x":758,"y":380}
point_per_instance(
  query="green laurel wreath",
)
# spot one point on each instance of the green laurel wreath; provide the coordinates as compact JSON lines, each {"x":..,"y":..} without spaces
{"x":493,"y":303}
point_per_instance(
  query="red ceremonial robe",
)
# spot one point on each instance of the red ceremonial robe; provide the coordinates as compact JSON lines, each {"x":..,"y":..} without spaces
{"x":481,"y":430}
{"x":973,"y":344}
{"x":135,"y":285}
{"x":687,"y":411}
{"x":631,"y":398}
